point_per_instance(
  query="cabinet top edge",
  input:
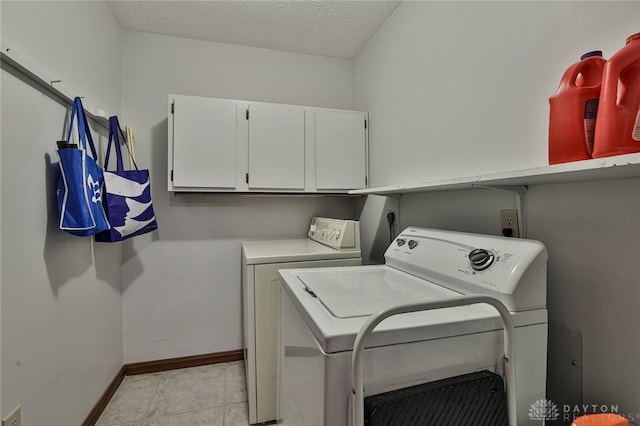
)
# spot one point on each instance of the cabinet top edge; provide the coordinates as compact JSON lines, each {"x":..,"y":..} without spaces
{"x":172,"y":96}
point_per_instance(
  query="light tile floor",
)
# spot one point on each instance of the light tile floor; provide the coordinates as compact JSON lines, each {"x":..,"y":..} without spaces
{"x":212,"y":395}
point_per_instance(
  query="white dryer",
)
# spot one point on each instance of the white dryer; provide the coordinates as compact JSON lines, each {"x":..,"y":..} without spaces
{"x":323,"y":310}
{"x":330,"y":242}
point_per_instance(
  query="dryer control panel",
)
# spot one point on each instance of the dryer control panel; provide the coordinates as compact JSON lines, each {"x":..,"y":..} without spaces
{"x":336,"y":233}
{"x":510,"y":269}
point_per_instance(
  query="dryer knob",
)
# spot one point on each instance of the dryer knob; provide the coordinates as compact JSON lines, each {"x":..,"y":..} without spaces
{"x":412,"y":244}
{"x":481,"y":259}
{"x":400,"y":242}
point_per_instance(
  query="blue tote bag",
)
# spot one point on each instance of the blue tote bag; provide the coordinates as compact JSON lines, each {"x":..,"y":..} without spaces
{"x":79,"y":191}
{"x":127,"y":195}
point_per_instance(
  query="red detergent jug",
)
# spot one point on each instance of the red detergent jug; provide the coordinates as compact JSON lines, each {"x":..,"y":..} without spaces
{"x":573,"y":109}
{"x":618,"y":123}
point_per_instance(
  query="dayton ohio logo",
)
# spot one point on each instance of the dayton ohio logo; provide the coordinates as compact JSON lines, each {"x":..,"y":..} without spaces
{"x":543,"y":409}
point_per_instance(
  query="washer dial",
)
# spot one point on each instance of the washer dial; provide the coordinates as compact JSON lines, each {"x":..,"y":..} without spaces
{"x":481,"y":259}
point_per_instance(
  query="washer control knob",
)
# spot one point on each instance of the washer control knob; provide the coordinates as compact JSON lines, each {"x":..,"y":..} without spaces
{"x":412,"y":244}
{"x":481,"y":259}
{"x":400,"y":242}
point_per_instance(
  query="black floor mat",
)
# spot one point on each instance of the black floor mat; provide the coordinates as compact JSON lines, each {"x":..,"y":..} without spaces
{"x":476,"y":399}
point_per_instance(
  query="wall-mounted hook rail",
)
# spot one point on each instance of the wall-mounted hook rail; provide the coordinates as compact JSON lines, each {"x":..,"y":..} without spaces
{"x":20,"y":71}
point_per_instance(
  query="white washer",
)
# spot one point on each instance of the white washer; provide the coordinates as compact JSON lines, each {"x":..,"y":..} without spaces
{"x":330,"y":242}
{"x":323,"y":310}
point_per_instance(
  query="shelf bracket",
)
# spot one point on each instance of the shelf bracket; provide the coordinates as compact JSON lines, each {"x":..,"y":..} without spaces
{"x":519,"y":191}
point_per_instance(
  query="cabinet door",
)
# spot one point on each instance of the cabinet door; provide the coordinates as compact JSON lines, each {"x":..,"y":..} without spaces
{"x":340,"y":141}
{"x":204,"y":143}
{"x":276,"y":147}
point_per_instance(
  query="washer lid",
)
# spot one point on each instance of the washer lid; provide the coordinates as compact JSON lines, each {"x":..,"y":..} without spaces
{"x":351,"y":294}
{"x":337,"y":334}
{"x":297,"y":250}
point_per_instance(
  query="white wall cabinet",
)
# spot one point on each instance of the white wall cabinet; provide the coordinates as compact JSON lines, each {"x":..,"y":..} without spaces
{"x":205,"y":158}
{"x":222,"y":145}
{"x":340,"y":142}
{"x":276,"y":147}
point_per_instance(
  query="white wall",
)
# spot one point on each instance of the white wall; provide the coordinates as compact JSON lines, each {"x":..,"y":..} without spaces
{"x":75,"y":43}
{"x":456,"y":89}
{"x":182,"y":284}
{"x":466,"y":84}
{"x":61,"y":297}
{"x":592,"y":232}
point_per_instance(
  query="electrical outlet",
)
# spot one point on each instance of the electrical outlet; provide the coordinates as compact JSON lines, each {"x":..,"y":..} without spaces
{"x":392,"y":220}
{"x":13,"y":419}
{"x":392,"y":214}
{"x":509,"y":223}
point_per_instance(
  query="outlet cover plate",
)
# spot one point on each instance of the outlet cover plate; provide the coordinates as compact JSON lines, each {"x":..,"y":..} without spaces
{"x":509,"y":220}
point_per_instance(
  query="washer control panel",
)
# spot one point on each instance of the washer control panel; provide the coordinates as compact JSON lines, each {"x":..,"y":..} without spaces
{"x":411,"y":244}
{"x":474,"y":263}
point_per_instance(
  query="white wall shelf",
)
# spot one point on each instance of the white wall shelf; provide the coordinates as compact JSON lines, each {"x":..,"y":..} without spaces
{"x":617,"y":167}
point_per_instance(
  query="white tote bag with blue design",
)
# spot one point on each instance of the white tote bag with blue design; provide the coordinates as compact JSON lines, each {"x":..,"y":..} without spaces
{"x":127,"y":195}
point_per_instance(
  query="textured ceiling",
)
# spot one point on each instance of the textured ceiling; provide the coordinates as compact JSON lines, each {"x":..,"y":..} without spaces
{"x":328,"y":28}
